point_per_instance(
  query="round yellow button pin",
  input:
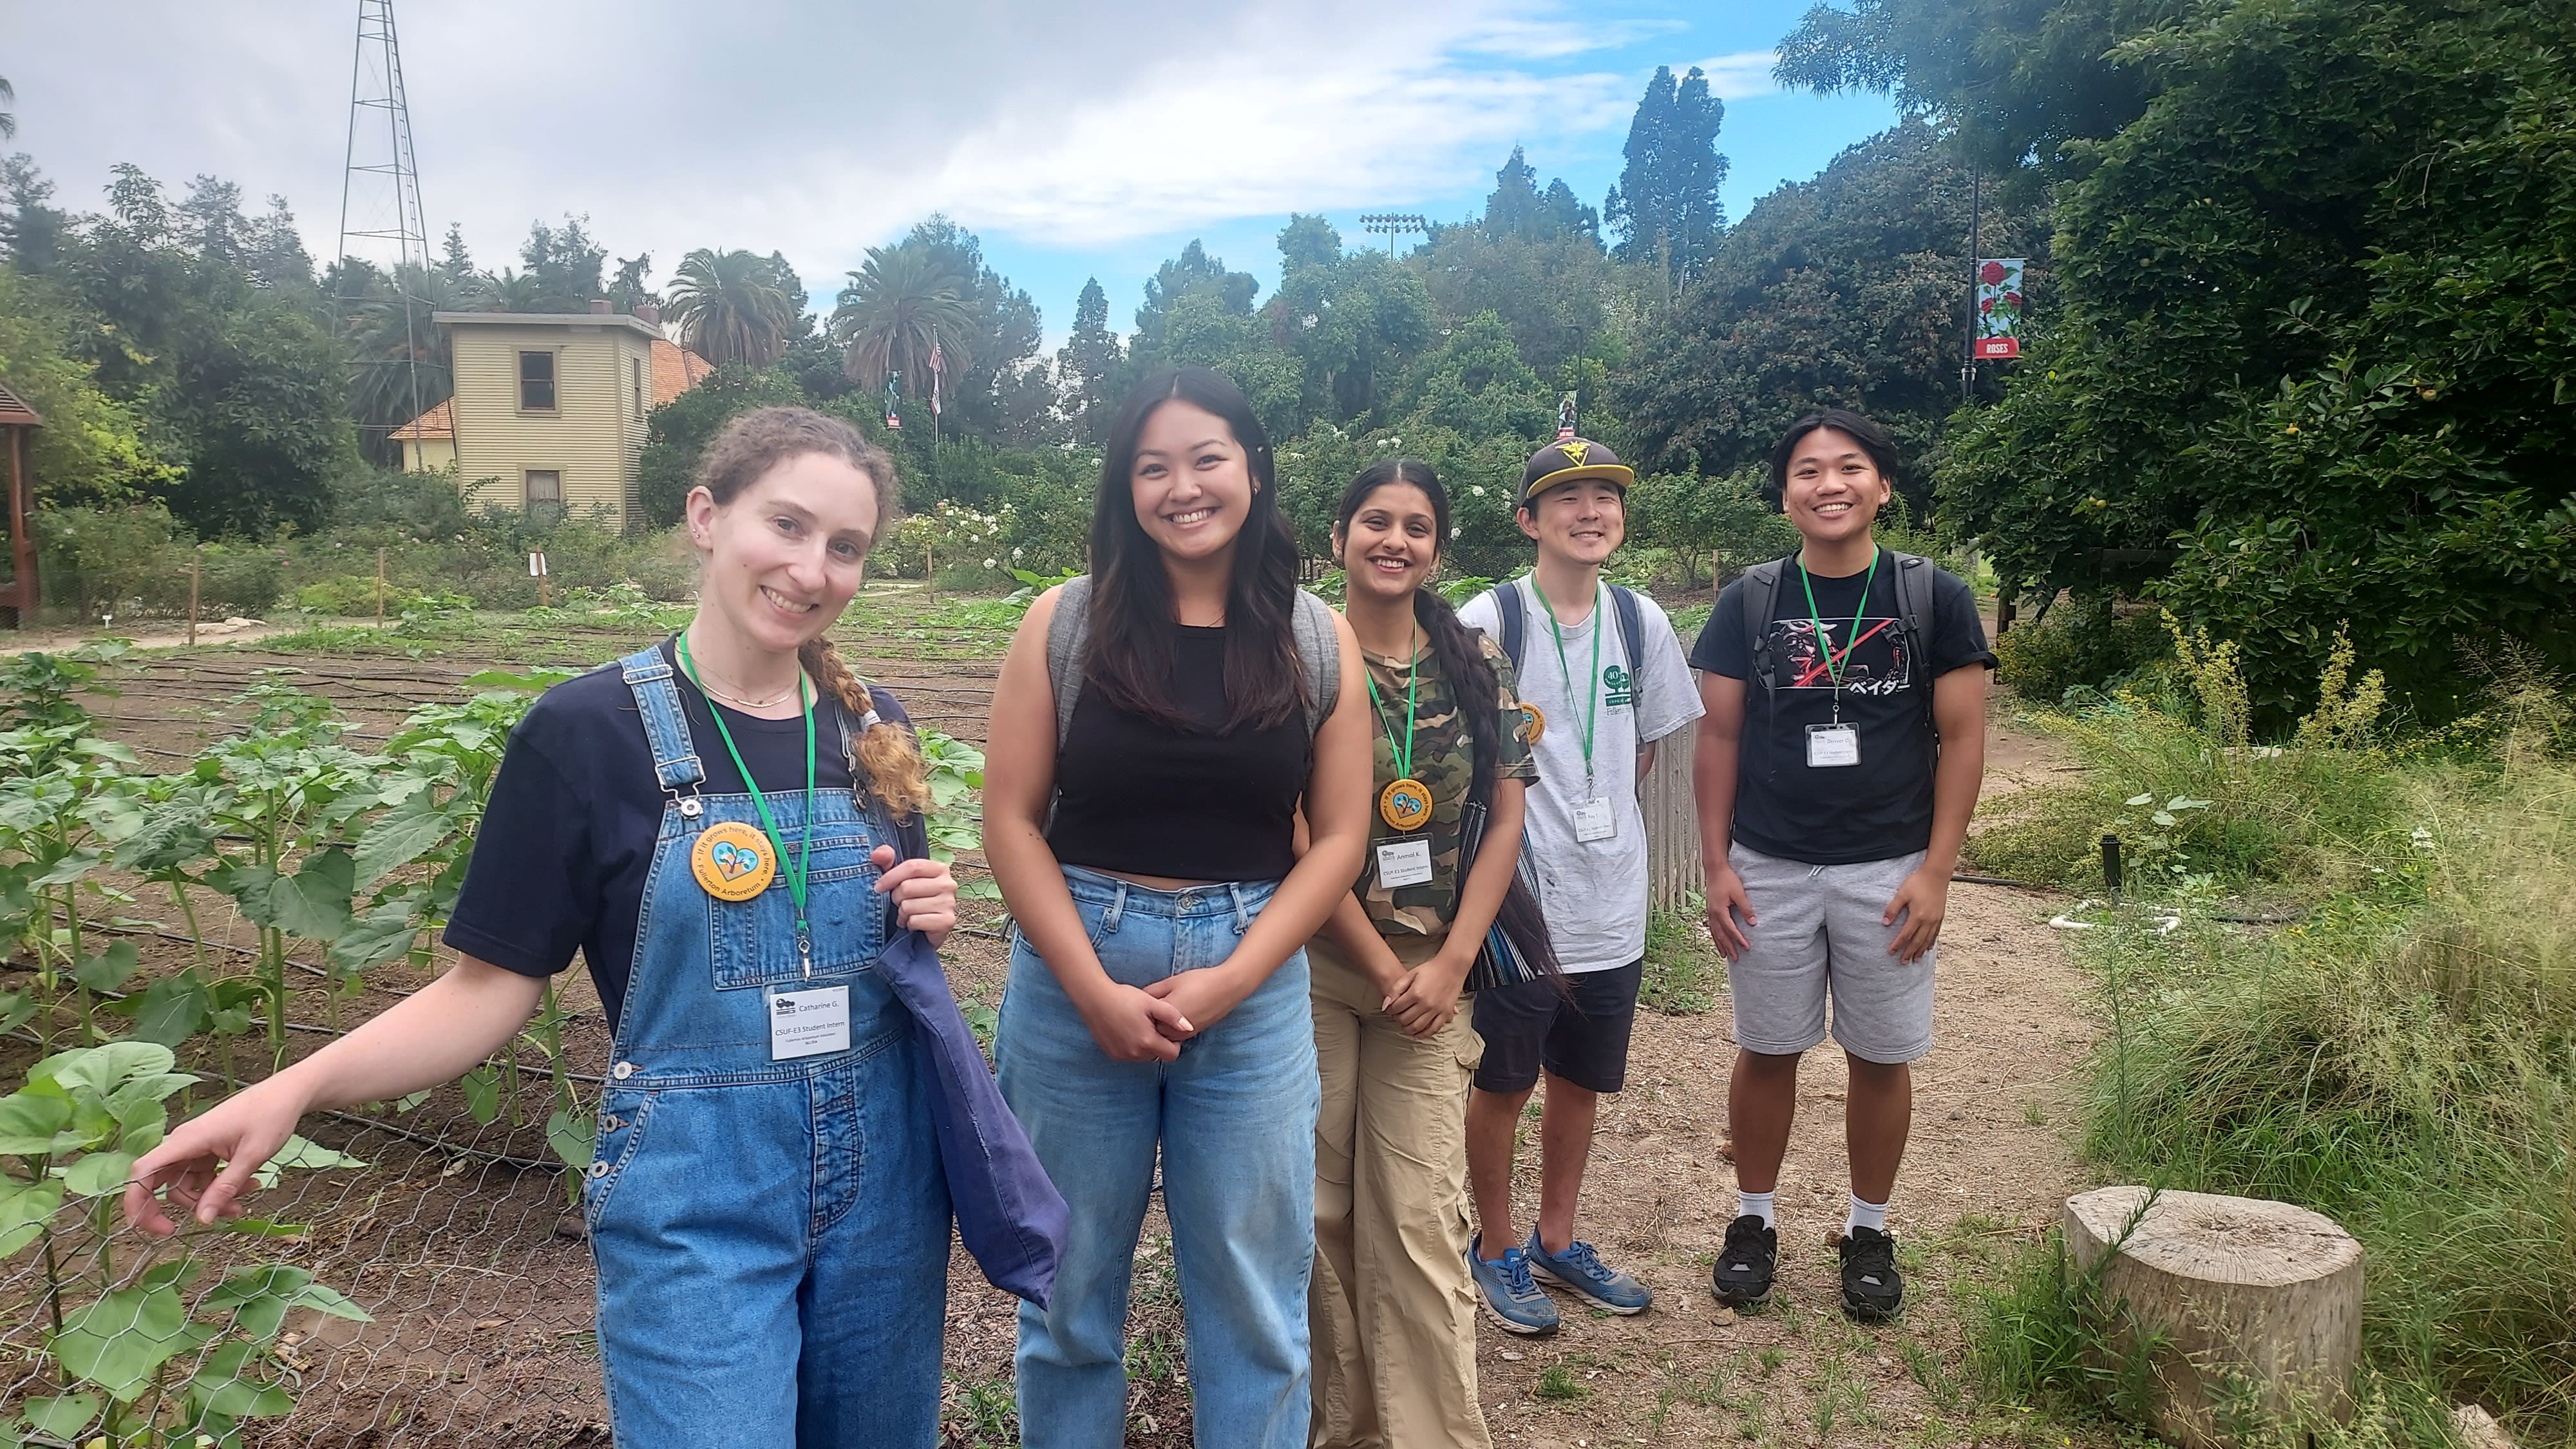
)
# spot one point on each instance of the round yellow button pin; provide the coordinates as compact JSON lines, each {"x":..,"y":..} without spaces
{"x":732,"y":861}
{"x":1405,"y":804}
{"x":1533,"y":723}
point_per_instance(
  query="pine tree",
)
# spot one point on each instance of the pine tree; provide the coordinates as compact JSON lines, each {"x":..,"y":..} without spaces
{"x":453,"y":258}
{"x":1665,"y":208}
{"x":1088,"y":367}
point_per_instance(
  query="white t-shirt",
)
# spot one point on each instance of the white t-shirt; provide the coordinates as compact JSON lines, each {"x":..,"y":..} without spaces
{"x":1593,"y":893}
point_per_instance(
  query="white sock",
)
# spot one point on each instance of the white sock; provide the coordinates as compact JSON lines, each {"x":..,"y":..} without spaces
{"x":1757,"y":1204}
{"x":1866,"y":1215}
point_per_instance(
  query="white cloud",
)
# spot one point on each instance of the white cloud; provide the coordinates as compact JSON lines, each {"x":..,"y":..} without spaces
{"x":820,"y":128}
{"x":1742,"y":74}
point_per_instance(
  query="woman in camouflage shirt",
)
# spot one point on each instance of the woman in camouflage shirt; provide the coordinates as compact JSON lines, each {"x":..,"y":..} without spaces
{"x":1393,"y":1306}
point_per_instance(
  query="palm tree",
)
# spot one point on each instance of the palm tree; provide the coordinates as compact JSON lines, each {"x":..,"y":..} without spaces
{"x":382,"y":347}
{"x":730,"y":308}
{"x":8,"y":120}
{"x":896,"y":309}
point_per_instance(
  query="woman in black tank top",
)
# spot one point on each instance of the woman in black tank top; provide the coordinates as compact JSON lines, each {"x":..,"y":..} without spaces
{"x":1158,"y":997}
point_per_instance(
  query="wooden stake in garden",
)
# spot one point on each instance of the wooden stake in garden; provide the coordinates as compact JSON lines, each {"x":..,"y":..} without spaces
{"x":930,"y":571}
{"x":380,"y":587}
{"x":537,"y":571}
{"x":196,"y":567}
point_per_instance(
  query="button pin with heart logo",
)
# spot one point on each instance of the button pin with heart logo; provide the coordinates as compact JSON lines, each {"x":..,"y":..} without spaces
{"x":732,"y":861}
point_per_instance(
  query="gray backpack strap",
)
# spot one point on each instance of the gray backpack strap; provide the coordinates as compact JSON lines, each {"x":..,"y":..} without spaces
{"x":1319,"y":653}
{"x":1068,"y":632}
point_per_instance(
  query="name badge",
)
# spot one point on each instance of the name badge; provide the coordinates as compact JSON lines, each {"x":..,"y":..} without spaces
{"x":1829,"y":746}
{"x":1404,"y":863}
{"x":1594,"y":820}
{"x":808,"y":1023}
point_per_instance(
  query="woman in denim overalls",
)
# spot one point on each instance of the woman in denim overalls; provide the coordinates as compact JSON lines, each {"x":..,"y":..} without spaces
{"x":767,"y":1203}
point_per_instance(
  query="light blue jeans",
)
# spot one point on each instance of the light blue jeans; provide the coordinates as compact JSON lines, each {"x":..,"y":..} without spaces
{"x":1234,"y":1119}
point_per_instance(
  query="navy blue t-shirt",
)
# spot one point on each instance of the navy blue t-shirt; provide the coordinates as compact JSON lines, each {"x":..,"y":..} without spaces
{"x":567,"y":840}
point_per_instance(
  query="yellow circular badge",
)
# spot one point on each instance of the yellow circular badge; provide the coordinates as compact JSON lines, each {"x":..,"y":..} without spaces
{"x":732,"y":861}
{"x":1405,"y":804}
{"x":1533,"y":723}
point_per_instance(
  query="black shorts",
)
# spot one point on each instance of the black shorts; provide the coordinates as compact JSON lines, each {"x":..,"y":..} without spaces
{"x":1584,"y":1041}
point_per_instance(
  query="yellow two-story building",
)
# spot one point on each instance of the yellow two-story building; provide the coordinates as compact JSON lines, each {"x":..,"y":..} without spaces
{"x":549,"y":409}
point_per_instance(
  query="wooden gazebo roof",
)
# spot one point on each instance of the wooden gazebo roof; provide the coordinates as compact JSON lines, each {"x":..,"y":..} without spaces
{"x":14,"y":413}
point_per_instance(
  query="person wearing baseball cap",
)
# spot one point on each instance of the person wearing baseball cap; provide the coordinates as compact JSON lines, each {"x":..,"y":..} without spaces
{"x":1601,"y":679}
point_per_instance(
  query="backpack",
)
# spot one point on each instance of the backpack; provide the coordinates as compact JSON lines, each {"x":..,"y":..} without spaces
{"x":1632,"y":627}
{"x":1913,"y":616}
{"x":1319,"y":653}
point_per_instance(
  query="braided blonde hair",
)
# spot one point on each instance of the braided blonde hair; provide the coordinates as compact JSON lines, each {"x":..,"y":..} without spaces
{"x":886,"y":757}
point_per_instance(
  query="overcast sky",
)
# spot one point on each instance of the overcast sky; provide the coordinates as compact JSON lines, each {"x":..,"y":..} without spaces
{"x":1078,"y":137}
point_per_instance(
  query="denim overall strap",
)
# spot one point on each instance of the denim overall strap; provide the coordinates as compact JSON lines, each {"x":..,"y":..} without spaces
{"x":666,"y":726}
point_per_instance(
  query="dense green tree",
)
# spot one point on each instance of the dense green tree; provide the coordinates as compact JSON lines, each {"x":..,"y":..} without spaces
{"x":2313,"y":333}
{"x":1846,"y":291}
{"x":1535,"y":262}
{"x":563,"y":267}
{"x":453,"y":258}
{"x":94,"y":449}
{"x":1193,"y":271}
{"x":986,"y":389}
{"x":629,"y":289}
{"x":31,"y":231}
{"x":1665,"y":208}
{"x":902,"y":302}
{"x":729,"y":308}
{"x":1088,"y":368}
{"x":1352,"y":320}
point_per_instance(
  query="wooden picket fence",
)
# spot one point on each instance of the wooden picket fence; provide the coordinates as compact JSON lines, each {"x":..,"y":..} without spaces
{"x":1672,"y":820}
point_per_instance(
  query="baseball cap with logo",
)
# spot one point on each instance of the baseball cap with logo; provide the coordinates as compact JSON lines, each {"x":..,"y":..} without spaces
{"x":1572,"y":461}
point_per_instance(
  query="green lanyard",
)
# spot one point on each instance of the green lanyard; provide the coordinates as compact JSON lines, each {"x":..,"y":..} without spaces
{"x":1412,"y":680}
{"x":1834,"y":663}
{"x":794,"y":870}
{"x":1592,"y":693}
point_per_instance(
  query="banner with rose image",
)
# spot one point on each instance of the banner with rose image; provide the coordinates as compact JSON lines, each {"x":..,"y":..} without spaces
{"x":1999,"y":301}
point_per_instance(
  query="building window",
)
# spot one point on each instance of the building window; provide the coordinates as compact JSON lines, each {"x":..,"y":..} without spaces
{"x":536,"y":382}
{"x":638,"y":364}
{"x":545,"y":487}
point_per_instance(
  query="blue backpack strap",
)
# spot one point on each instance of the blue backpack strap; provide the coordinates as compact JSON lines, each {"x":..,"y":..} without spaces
{"x":1632,"y":627}
{"x":666,"y":725}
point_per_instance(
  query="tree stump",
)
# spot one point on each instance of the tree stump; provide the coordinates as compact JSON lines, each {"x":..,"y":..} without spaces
{"x":2256,"y":1303}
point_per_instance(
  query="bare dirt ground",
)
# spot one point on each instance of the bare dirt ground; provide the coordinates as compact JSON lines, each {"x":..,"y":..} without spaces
{"x":455,"y":1237}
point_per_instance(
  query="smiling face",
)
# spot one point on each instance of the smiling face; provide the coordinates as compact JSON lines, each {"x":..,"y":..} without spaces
{"x":1391,"y":543}
{"x":1832,"y":489}
{"x":1582,"y":522}
{"x":1191,"y":483}
{"x":783,"y":558}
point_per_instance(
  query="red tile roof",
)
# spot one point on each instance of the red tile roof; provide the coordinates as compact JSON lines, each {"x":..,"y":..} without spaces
{"x":675,"y":370}
{"x":438,"y":422}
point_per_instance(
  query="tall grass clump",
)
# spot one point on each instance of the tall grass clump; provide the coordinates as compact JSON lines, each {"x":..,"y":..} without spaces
{"x":2195,"y":798}
{"x":2402,"y":1058}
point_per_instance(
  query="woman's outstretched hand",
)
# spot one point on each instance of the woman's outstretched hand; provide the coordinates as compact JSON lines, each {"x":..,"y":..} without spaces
{"x":924,"y":891}
{"x":206,"y":1164}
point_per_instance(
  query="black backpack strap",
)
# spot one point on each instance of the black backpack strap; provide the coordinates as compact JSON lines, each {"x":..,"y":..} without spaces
{"x":1632,"y":627}
{"x":1507,"y":612}
{"x":1761,"y":593}
{"x":1914,"y":617}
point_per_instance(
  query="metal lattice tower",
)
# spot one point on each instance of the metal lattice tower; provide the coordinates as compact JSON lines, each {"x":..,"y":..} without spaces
{"x":380,"y":185}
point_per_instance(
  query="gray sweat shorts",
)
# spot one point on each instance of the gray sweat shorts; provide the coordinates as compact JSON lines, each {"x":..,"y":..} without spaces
{"x":1820,"y":934}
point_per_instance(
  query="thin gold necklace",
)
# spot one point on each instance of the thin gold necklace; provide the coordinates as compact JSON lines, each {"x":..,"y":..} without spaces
{"x":744,"y":702}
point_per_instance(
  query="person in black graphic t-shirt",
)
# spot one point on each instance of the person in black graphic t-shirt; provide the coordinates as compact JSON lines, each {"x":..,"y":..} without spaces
{"x":1837,"y":766}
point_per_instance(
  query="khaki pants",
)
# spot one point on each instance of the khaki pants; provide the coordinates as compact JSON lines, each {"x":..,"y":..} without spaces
{"x":1393,"y":1308}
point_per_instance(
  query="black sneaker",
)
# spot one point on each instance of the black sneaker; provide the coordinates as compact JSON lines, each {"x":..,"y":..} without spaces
{"x":1872,"y":1290}
{"x":1742,"y":1278}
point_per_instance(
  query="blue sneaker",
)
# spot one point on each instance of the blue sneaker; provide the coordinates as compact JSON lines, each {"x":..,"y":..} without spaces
{"x":1508,"y":1292}
{"x":1580,"y":1269}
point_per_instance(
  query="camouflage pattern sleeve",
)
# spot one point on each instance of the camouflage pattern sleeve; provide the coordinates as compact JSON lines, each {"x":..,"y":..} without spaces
{"x":1514,"y":761}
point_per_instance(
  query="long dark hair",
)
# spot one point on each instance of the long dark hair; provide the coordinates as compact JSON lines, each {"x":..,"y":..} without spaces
{"x":1472,"y":683}
{"x":1130,"y":654}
